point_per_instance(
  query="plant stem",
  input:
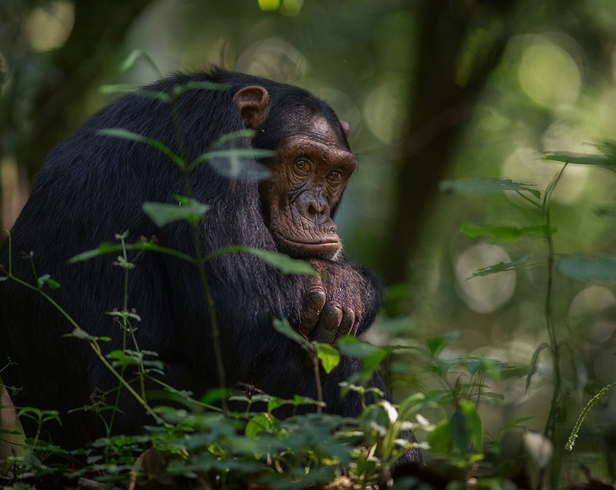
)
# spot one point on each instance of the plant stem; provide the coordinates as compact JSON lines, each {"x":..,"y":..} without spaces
{"x":548,"y":313}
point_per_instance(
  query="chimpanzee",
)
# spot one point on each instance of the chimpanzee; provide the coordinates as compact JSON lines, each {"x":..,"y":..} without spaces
{"x":93,"y":186}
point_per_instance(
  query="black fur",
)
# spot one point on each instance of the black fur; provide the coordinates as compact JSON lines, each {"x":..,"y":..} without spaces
{"x":91,"y":188}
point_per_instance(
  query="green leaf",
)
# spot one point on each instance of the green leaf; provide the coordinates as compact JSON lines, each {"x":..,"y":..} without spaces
{"x":371,"y":357}
{"x":585,"y":268}
{"x":136,"y":55}
{"x":582,"y":159}
{"x":282,"y":262}
{"x":129,"y":135}
{"x":258,"y":423}
{"x":505,"y":233}
{"x":200,"y":85}
{"x":162,"y":214}
{"x":103,"y":249}
{"x":434,"y":343}
{"x":285,"y":329}
{"x":500,"y":267}
{"x":46,"y":279}
{"x":473,"y":423}
{"x":329,"y":356}
{"x":440,"y":438}
{"x":234,"y":135}
{"x":107,"y":248}
{"x":131,"y":89}
{"x":476,"y":187}
{"x":459,"y":433}
{"x":533,"y":363}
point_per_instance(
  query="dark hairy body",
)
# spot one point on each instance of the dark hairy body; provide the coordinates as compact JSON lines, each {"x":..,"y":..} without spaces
{"x":93,"y":186}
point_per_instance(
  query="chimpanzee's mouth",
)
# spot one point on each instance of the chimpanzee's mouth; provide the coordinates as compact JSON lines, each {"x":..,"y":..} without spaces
{"x":326,"y":247}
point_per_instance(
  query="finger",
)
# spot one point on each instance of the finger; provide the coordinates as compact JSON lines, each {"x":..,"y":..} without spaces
{"x":313,"y":305}
{"x":355,"y":327}
{"x":327,"y":326}
{"x":346,"y":325}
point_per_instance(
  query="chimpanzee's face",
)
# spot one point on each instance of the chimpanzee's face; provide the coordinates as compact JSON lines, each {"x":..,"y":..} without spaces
{"x":309,"y":172}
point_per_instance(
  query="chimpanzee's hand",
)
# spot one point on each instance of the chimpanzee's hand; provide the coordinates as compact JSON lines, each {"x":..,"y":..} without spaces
{"x":334,"y":301}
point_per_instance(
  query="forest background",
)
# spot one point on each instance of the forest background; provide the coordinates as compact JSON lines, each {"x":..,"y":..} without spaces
{"x":433,"y":90}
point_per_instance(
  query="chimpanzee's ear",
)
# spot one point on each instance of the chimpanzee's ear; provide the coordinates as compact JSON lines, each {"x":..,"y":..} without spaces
{"x":253,"y":104}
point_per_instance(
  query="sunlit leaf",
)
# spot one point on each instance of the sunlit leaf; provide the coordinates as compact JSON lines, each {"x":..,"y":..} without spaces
{"x":475,"y":187}
{"x":258,"y":423}
{"x":46,"y":279}
{"x":329,"y":356}
{"x":500,"y":267}
{"x":585,"y":268}
{"x":505,"y":233}
{"x":162,"y":214}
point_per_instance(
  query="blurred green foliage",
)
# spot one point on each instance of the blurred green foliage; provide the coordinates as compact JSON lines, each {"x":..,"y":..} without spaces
{"x":525,"y":78}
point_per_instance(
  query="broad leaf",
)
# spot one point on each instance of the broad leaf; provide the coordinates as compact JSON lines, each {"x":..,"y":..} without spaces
{"x":258,"y":423}
{"x":473,"y":423}
{"x":440,"y":438}
{"x":162,"y":214}
{"x":601,"y":268}
{"x":476,"y":187}
{"x":329,"y":356}
{"x":459,"y":432}
{"x":505,"y":233}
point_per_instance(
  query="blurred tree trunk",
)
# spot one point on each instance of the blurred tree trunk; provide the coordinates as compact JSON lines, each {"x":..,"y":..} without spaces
{"x":460,"y":43}
{"x":99,"y":29}
{"x":57,"y":85}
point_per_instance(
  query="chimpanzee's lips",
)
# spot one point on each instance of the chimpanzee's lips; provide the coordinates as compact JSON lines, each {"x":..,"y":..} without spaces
{"x":325,"y":247}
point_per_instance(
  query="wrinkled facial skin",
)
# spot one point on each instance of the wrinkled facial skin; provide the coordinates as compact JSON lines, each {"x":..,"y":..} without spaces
{"x":309,"y":174}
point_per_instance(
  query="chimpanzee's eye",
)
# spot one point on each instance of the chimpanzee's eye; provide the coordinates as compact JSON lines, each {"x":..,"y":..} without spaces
{"x":303,"y":166}
{"x":334,"y":176}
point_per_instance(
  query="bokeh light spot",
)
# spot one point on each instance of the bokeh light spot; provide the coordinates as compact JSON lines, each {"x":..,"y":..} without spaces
{"x":487,"y":293}
{"x":269,"y":5}
{"x":48,"y":27}
{"x":548,"y":74}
